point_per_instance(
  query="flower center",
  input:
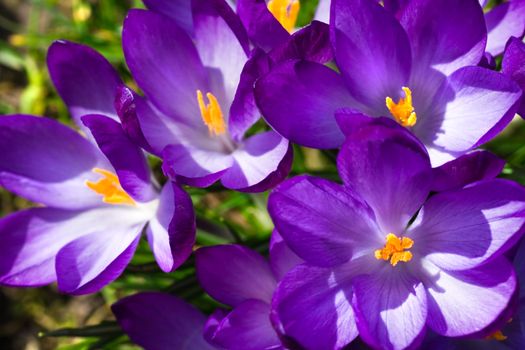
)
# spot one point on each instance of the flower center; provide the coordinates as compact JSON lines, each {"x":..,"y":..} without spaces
{"x":109,"y":187}
{"x":285,"y":11}
{"x":403,"y":111}
{"x":211,"y":113}
{"x":394,"y":249}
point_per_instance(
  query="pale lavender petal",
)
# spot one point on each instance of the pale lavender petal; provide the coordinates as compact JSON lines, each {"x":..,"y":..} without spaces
{"x":504,"y":21}
{"x":246,"y":275}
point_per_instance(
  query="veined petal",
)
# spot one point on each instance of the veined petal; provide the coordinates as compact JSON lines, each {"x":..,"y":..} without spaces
{"x":462,"y":229}
{"x":321,"y":221}
{"x":233,"y":273}
{"x":160,"y":321}
{"x":171,"y":232}
{"x":47,"y":162}
{"x":504,"y":21}
{"x":179,"y":11}
{"x":85,"y":80}
{"x":465,"y":302}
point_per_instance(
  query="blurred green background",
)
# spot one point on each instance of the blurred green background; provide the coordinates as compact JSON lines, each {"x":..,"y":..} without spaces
{"x":44,"y":319}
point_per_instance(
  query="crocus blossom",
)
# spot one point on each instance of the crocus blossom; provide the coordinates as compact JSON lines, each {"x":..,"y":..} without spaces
{"x":419,"y":70}
{"x":384,"y":260}
{"x":189,"y":87}
{"x":513,"y":65}
{"x":97,"y":192}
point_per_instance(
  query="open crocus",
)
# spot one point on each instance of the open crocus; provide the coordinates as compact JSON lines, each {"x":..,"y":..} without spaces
{"x":513,"y":65}
{"x":189,"y":87}
{"x":246,"y":283}
{"x":419,"y":70}
{"x":91,"y":220}
{"x":384,"y":260}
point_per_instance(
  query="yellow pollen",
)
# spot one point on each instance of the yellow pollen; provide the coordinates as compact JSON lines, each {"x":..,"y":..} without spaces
{"x":403,"y":111}
{"x":394,"y":249}
{"x":285,"y":11}
{"x":211,"y":113}
{"x":497,"y":335}
{"x":109,"y":187}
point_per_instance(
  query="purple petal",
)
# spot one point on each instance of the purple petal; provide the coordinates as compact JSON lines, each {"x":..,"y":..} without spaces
{"x":32,"y":238}
{"x":194,"y":166}
{"x":262,"y":27}
{"x":391,"y":308}
{"x":247,"y":275}
{"x":85,"y":80}
{"x":47,"y":162}
{"x":223,"y":46}
{"x":171,"y":233}
{"x":312,"y":306}
{"x":90,"y":262}
{"x":321,"y":221}
{"x":179,"y":11}
{"x":513,"y":66}
{"x":472,"y":106}
{"x":158,"y":321}
{"x":469,"y":168}
{"x":299,"y":98}
{"x":371,"y":50}
{"x":256,"y":159}
{"x":246,"y":327}
{"x":462,"y":229}
{"x":387,"y":167}
{"x":165,"y":64}
{"x":282,"y":258}
{"x":444,"y":36}
{"x":126,"y":157}
{"x":461,"y":303}
{"x":503,"y":22}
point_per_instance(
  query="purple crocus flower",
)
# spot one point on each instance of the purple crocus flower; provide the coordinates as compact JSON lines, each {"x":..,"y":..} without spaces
{"x":513,"y":65}
{"x":96,"y":201}
{"x":420,"y":70}
{"x":246,"y":283}
{"x":189,"y":87}
{"x":385,"y":261}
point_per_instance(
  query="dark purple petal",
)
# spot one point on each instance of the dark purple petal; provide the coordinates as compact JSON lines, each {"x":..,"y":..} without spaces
{"x":444,"y":36}
{"x":194,"y":166}
{"x":179,"y":11}
{"x":30,"y":241}
{"x":469,"y":168}
{"x":158,"y":321}
{"x":256,"y":159}
{"x":504,"y":21}
{"x":313,"y":307}
{"x":246,"y":327}
{"x":246,"y":275}
{"x":386,"y":166}
{"x":85,"y":80}
{"x":282,"y":258}
{"x":371,"y":50}
{"x":47,"y":162}
{"x":298,"y":99}
{"x":126,"y":107}
{"x":165,"y":64}
{"x":513,"y":66}
{"x":126,"y":157}
{"x":390,"y":307}
{"x":262,"y":27}
{"x":462,"y":229}
{"x":465,"y":302}
{"x":223,"y":46}
{"x":473,"y":105}
{"x":171,"y":233}
{"x":321,"y":221}
{"x":90,"y":262}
